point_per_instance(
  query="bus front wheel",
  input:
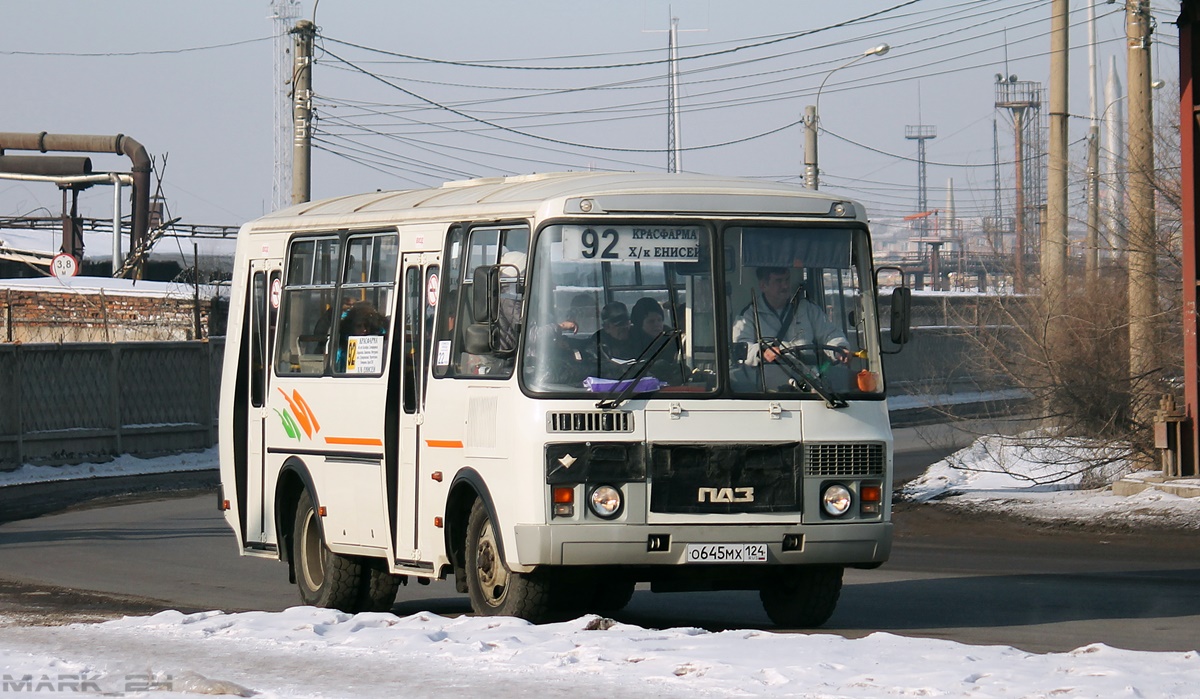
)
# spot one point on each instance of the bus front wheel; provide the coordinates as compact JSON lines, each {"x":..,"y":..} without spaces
{"x":494,"y":589}
{"x":325,"y":579}
{"x":804,"y":598}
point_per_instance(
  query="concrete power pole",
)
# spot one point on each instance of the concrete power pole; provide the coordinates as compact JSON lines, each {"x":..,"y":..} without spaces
{"x":1054,"y":238}
{"x":1143,"y":273}
{"x":302,"y":113}
{"x":284,"y":13}
{"x":1091,"y":248}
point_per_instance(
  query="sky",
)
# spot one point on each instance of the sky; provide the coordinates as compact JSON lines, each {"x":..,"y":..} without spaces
{"x":309,"y":652}
{"x":409,"y":97}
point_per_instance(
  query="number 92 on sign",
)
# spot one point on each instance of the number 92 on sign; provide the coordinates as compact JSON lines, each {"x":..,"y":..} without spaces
{"x":646,"y":243}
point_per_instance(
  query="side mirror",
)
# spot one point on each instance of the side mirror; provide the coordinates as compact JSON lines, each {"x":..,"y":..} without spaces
{"x":901,"y":315}
{"x":485,"y":294}
{"x":477,"y":338}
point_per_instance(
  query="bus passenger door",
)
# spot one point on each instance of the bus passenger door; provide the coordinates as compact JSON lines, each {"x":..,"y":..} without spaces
{"x":419,"y":300}
{"x":264,"y":295}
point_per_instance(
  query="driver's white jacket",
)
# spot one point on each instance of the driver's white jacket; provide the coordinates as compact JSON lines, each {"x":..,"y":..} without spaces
{"x":809,"y":326}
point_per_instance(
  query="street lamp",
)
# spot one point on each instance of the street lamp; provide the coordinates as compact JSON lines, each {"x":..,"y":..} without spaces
{"x":811,"y":118}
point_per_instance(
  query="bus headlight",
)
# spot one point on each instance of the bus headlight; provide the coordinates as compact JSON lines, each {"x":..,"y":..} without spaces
{"x":605,"y":501}
{"x":836,"y":500}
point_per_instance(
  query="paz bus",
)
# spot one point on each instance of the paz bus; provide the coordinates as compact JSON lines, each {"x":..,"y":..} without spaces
{"x":430,"y":383}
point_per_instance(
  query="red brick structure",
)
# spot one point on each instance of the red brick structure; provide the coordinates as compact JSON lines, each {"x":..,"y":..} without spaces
{"x":93,"y":309}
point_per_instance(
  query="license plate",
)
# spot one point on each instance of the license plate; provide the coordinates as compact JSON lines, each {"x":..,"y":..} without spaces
{"x":726,"y":553}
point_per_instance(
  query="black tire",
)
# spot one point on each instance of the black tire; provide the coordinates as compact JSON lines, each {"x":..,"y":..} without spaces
{"x":803,"y":599}
{"x":493,"y":588}
{"x":325,"y":579}
{"x":612,"y":596}
{"x":379,"y":593}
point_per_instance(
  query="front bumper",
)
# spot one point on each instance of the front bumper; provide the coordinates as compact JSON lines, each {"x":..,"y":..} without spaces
{"x":628,"y":544}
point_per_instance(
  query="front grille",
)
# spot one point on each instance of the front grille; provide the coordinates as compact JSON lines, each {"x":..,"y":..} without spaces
{"x":843,"y":460}
{"x":725,"y":478}
{"x":589,"y":421}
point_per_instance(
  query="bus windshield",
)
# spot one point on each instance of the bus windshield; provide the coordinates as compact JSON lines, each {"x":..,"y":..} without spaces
{"x":801,"y":314}
{"x":635,"y":308}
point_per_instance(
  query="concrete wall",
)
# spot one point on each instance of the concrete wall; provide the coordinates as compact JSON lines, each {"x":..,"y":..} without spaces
{"x":78,"y":402}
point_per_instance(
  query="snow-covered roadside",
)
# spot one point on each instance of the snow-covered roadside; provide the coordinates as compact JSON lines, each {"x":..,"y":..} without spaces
{"x":306,"y":652}
{"x":1047,"y":482}
{"x":124,"y":465}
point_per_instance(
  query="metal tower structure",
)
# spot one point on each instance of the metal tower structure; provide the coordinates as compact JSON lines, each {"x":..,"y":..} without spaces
{"x":921,"y":133}
{"x":1023,"y":100}
{"x":284,"y":13}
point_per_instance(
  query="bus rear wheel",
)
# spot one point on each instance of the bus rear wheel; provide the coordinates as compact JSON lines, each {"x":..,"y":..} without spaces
{"x":804,"y":598}
{"x":493,"y":588}
{"x":326,"y":579}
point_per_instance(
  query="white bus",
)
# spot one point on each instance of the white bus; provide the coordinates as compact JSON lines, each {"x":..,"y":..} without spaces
{"x":449,"y":382}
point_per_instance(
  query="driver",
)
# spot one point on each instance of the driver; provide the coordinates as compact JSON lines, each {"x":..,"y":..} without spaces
{"x":786,"y":319}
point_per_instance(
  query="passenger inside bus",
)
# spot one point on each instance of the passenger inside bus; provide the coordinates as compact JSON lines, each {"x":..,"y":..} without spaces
{"x":649,"y":324}
{"x":614,"y":348}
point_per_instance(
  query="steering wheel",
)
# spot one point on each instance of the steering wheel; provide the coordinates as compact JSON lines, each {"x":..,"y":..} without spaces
{"x":816,"y":352}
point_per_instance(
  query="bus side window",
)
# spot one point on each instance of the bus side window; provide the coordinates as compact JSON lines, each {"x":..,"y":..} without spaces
{"x":309,"y":306}
{"x":451,"y":283}
{"x":369,"y":283}
{"x":412,"y":337}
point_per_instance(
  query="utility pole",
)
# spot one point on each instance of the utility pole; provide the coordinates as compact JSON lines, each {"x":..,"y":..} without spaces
{"x":302,"y":113}
{"x":1143,"y":359}
{"x":1112,"y":164}
{"x":1054,"y":237}
{"x":811,"y":179}
{"x":284,"y":13}
{"x":1091,"y":247}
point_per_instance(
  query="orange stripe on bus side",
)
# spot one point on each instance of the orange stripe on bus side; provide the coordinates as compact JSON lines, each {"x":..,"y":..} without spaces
{"x":444,"y":443}
{"x":355,"y":441}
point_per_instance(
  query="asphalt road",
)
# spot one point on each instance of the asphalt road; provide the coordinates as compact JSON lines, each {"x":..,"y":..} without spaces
{"x":968,"y":578}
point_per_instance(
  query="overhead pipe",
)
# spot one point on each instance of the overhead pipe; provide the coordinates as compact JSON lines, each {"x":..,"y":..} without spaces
{"x":119,"y":145}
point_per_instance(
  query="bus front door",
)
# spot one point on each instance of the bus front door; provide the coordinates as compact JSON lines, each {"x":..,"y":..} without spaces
{"x":263,"y":313}
{"x":419,"y":300}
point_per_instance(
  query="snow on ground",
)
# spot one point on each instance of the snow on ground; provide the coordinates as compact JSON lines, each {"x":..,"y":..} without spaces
{"x":308,"y":652}
{"x":124,"y":465}
{"x":1048,"y":481}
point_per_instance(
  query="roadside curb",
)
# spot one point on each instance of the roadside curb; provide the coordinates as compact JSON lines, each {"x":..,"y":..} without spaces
{"x":31,"y":500}
{"x":1183,"y":487}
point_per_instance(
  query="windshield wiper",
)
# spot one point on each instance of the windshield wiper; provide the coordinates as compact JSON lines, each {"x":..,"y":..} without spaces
{"x":796,"y":369}
{"x":639,"y":369}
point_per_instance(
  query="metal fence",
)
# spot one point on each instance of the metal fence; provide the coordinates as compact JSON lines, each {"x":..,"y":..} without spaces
{"x":79,"y":402}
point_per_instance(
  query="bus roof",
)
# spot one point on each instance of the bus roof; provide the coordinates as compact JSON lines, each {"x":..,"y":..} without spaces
{"x":524,"y":195}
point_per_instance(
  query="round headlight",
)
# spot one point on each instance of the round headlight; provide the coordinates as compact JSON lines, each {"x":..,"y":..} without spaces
{"x":836,"y":500}
{"x":605,"y":501}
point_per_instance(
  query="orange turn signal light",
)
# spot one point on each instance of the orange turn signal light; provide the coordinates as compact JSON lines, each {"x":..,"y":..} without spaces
{"x":564,"y":495}
{"x":871,"y":493}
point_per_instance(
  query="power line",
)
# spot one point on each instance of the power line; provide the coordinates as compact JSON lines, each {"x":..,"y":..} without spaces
{"x":158,"y":52}
{"x":654,"y":62}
